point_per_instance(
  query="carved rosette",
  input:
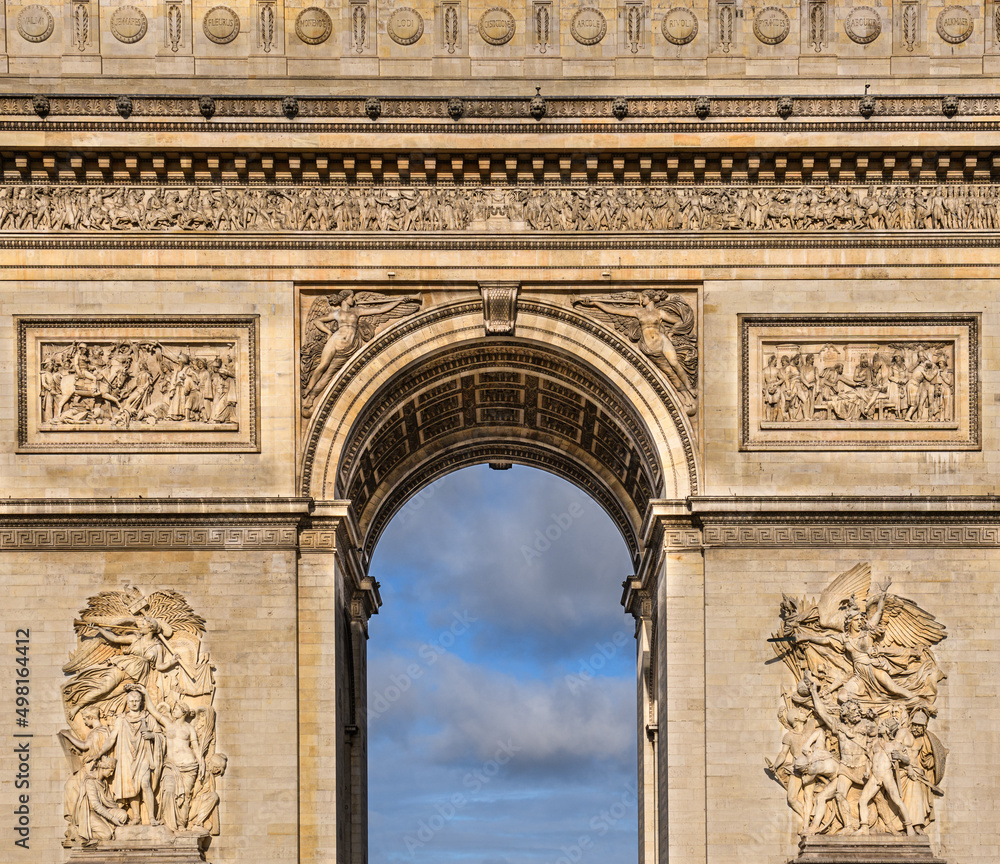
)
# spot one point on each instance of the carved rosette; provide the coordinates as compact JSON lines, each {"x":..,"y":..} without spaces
{"x":141,"y":739}
{"x":859,"y":761}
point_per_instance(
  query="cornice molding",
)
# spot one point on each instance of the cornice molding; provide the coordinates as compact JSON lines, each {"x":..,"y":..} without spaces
{"x":83,"y":524}
{"x":476,"y":108}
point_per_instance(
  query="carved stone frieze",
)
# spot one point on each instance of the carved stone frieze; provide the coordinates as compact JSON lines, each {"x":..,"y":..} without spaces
{"x":336,"y":326}
{"x":660,"y":208}
{"x":858,"y":759}
{"x":871,"y":534}
{"x":140,"y":384}
{"x":141,"y":740}
{"x":893,"y":382}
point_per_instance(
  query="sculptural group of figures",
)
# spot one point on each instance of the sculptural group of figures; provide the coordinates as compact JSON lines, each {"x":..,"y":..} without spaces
{"x":900,"y":383}
{"x":142,"y":734}
{"x":660,"y":324}
{"x":857,"y":756}
{"x":125,"y":382}
{"x":557,"y":208}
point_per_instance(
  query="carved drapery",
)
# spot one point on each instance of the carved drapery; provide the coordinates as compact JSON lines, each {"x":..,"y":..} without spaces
{"x":857,"y":756}
{"x":142,"y":727}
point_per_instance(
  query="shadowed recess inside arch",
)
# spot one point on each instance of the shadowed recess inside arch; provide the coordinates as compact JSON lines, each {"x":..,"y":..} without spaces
{"x":501,"y":680}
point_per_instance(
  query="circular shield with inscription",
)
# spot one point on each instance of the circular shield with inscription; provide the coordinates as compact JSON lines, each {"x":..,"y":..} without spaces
{"x":221,"y":25}
{"x":955,"y":24}
{"x":35,"y":23}
{"x":770,"y":25}
{"x":405,"y":25}
{"x":588,"y":25}
{"x":128,"y":24}
{"x":680,"y":25}
{"x":313,"y":26}
{"x":863,"y":25}
{"x":496,"y":26}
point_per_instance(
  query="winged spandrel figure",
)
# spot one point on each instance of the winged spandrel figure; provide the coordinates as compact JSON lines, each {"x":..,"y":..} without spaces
{"x":663,"y":326}
{"x":337,"y":326}
{"x":866,"y":682}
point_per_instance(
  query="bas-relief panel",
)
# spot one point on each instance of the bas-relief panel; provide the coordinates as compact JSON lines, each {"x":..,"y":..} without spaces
{"x":857,"y":758}
{"x":137,"y":384}
{"x":871,"y":382}
{"x":141,"y":740}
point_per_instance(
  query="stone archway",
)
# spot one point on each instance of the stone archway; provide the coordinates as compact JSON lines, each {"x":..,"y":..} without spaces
{"x":434,"y":393}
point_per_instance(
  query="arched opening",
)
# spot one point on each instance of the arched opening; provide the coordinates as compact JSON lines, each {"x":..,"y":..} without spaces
{"x":433,"y":395}
{"x":501,"y":676}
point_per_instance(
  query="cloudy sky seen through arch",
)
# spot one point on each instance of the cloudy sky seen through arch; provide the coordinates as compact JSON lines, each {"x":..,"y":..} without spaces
{"x":501,"y":679}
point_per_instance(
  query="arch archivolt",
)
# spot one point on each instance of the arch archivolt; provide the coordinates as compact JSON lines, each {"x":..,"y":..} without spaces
{"x":433,"y":394}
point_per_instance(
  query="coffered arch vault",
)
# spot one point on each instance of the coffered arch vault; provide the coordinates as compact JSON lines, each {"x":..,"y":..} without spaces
{"x":434,"y":394}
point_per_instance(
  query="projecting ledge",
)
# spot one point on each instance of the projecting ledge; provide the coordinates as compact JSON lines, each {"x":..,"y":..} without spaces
{"x":874,"y":849}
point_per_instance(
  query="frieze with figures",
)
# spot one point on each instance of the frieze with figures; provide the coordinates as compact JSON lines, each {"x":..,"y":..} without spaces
{"x":836,"y":382}
{"x":328,"y":209}
{"x":146,"y":384}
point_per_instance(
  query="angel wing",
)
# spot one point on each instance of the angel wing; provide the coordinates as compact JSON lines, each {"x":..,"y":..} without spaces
{"x":93,"y":652}
{"x":908,"y":626}
{"x":624,"y":324}
{"x":107,"y":604}
{"x":171,"y":608}
{"x":682,"y":333}
{"x":854,"y":583}
{"x":370,"y":325}
{"x":313,"y":339}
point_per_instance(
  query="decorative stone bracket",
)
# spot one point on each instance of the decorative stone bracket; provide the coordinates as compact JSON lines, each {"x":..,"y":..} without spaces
{"x":499,"y":307}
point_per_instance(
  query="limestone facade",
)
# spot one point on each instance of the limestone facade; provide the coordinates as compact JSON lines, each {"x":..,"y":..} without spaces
{"x":269,"y":269}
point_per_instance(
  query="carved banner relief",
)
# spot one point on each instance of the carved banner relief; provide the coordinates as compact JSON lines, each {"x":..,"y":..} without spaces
{"x":836,"y":383}
{"x":141,"y":740}
{"x":137,"y":384}
{"x":858,"y":756}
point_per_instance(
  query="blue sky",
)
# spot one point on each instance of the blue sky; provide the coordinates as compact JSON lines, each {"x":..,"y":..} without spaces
{"x":501,"y":678}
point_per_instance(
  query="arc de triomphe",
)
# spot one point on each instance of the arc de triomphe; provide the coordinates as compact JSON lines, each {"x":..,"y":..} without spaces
{"x":270,"y":269}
